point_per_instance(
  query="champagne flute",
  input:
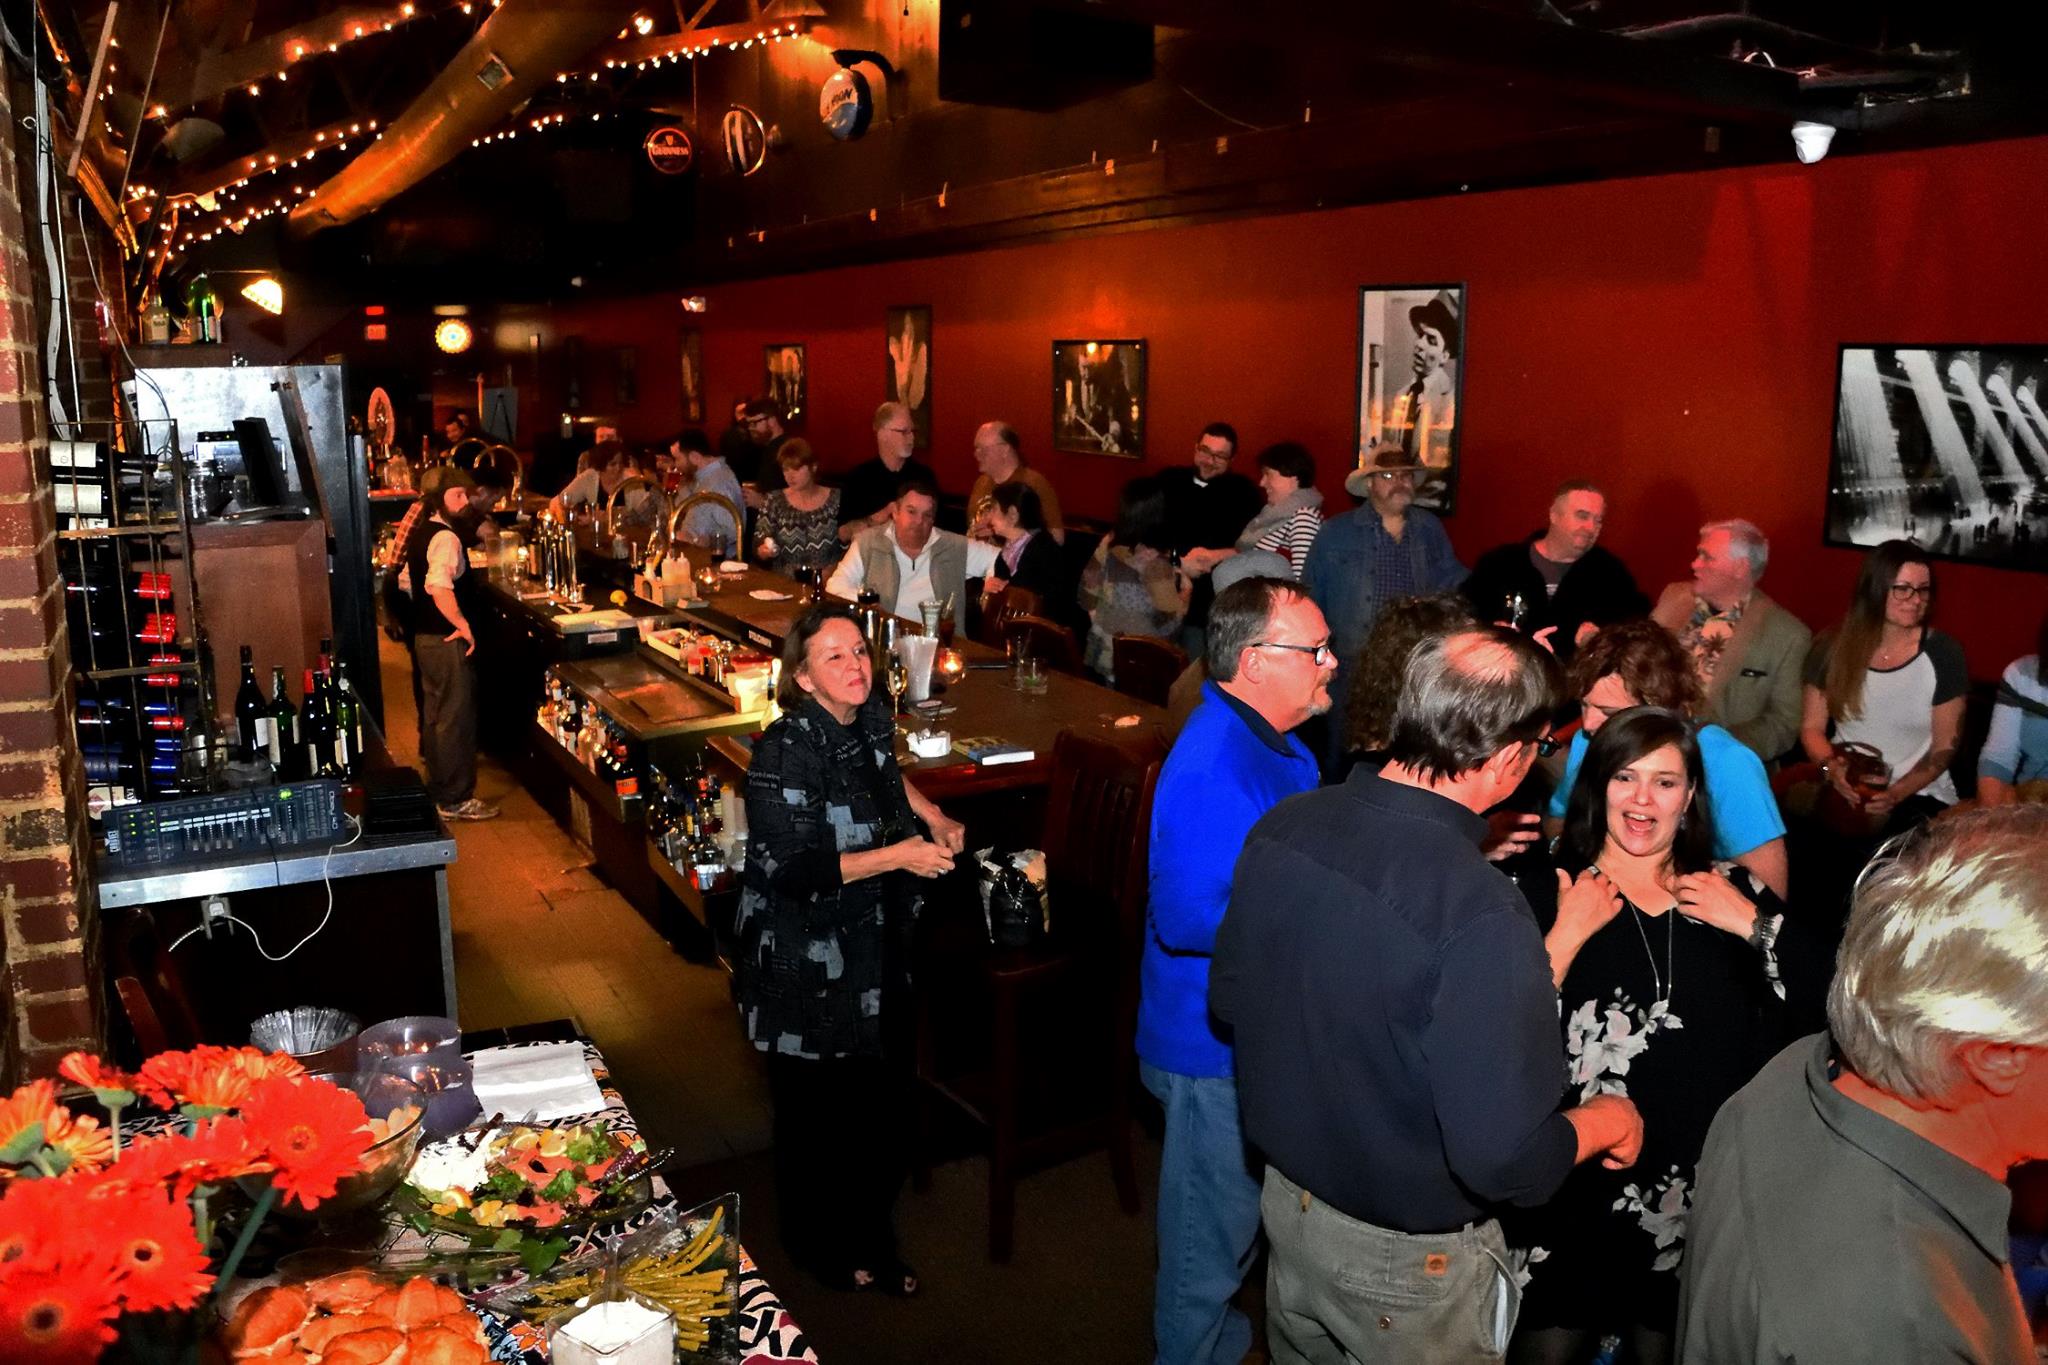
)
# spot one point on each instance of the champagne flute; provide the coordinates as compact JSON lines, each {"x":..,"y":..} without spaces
{"x":898,"y":682}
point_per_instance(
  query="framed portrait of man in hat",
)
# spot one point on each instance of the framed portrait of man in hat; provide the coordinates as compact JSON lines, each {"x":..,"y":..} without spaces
{"x":1411,"y":348}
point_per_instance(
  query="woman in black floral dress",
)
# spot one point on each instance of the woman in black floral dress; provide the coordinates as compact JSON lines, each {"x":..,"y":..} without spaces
{"x":1676,"y":982}
{"x":799,"y":527}
{"x":837,"y":842}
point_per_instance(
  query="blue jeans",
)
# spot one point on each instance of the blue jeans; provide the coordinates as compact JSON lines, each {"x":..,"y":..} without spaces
{"x":1208,"y":1221}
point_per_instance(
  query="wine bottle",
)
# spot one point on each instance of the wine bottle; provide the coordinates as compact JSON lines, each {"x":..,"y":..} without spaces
{"x":348,"y":723}
{"x":284,"y":727}
{"x":316,"y":731}
{"x":252,"y":717}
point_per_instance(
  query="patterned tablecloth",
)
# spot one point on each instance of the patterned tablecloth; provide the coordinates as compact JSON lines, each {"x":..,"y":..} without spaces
{"x":768,"y":1334}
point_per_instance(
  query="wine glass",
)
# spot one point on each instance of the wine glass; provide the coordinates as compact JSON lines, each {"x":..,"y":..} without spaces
{"x":898,"y":682}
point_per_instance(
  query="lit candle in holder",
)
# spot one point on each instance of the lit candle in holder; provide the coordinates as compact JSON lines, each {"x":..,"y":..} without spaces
{"x":952,"y":665}
{"x":707,"y":580}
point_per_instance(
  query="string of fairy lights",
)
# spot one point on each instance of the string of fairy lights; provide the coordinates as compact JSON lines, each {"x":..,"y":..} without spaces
{"x":233,"y":206}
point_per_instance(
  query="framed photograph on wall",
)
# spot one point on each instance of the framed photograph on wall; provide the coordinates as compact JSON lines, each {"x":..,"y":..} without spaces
{"x":1411,"y":374}
{"x":1943,"y":445}
{"x":690,"y":371}
{"x":787,"y":382}
{"x":909,"y":368}
{"x":1098,"y":397}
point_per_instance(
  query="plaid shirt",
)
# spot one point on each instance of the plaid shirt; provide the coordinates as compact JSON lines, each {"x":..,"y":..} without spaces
{"x":815,"y":953}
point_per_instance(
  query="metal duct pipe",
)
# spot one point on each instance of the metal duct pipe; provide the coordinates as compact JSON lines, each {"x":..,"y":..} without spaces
{"x":521,"y":46}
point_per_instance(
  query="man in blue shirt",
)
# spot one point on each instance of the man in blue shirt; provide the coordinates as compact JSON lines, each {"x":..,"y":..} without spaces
{"x":1269,"y":670}
{"x":1385,"y":549}
{"x":1396,"y":1028}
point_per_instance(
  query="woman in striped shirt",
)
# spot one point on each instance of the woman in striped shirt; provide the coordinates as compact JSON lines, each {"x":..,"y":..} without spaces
{"x":1287,"y":524}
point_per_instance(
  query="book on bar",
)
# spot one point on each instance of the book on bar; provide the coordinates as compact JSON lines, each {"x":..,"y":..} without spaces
{"x":990,"y":750}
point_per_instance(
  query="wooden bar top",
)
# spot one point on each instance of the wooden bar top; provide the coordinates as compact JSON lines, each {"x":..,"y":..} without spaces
{"x":984,"y":704}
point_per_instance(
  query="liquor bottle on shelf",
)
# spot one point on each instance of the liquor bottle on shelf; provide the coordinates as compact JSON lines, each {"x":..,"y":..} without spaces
{"x":102,"y":628}
{"x":348,"y":723}
{"x":252,"y":716}
{"x":285,"y":752}
{"x":316,"y":730}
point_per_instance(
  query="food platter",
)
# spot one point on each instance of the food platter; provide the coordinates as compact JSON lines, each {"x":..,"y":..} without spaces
{"x":533,"y":1179}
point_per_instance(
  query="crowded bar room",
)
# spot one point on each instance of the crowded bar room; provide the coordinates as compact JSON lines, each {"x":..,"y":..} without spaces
{"x":1017,"y":681}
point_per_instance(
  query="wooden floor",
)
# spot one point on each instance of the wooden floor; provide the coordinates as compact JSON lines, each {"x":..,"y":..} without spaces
{"x":538,"y":935}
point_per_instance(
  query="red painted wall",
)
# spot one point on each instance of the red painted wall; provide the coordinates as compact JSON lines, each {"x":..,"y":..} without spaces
{"x":1674,"y":337}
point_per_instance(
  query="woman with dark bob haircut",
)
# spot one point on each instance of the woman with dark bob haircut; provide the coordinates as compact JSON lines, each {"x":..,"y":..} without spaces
{"x":838,"y":842}
{"x":1673,"y":984}
{"x":1639,"y":663}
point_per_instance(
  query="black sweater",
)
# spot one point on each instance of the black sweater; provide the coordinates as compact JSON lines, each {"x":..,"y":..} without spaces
{"x":1597,"y":588}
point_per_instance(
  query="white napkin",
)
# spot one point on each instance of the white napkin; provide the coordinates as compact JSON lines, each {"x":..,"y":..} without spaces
{"x":552,"y":1081}
{"x":768,"y":595}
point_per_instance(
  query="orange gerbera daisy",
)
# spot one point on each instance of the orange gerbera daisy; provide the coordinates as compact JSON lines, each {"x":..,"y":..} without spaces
{"x":209,"y":1079}
{"x":311,"y":1132}
{"x":215,"y":1152}
{"x":85,"y":1144}
{"x":25,"y":1120}
{"x":37,"y":1219}
{"x":156,"y":1256}
{"x":110,"y":1085}
{"x":63,"y":1314}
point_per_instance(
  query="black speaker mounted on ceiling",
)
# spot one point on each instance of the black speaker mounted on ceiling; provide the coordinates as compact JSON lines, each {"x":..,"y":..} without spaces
{"x":1021,"y":57}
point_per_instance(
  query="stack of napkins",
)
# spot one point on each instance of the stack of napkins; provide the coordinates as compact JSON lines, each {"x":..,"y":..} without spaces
{"x":552,"y":1081}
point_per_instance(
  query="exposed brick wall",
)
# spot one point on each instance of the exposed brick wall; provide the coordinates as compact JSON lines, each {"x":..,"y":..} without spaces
{"x":50,"y":979}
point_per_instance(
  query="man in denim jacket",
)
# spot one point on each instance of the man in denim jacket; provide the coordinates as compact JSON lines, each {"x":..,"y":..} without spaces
{"x":1385,"y":549}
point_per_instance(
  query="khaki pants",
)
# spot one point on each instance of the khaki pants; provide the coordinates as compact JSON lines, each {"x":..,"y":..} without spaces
{"x":1340,"y":1291}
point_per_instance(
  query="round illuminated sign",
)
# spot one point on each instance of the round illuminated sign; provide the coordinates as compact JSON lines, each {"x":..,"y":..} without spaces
{"x":669,"y":150}
{"x":452,"y":336}
{"x":746,"y":141}
{"x":845,"y":104}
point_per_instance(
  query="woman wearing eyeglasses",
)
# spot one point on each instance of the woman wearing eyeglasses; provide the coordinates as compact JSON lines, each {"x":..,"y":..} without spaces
{"x":1884,"y":678}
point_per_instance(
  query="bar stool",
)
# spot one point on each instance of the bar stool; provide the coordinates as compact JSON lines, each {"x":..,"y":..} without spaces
{"x":150,"y":986}
{"x":1097,"y":829}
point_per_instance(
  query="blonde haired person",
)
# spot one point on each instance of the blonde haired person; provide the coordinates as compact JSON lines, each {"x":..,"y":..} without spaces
{"x":1852,"y":1200}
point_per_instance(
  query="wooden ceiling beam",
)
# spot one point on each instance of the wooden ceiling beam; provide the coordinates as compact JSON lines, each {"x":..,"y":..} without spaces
{"x":259,"y":61}
{"x":1475,"y":45}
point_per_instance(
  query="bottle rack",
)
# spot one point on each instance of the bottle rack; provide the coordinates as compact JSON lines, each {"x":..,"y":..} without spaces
{"x":143,"y":706}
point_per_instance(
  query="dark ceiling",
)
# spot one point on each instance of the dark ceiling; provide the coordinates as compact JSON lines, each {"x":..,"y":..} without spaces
{"x":993,"y":122}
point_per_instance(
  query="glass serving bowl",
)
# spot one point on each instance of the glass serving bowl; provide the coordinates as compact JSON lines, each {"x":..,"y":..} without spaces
{"x":384,"y":1165}
{"x":409,"y":1035}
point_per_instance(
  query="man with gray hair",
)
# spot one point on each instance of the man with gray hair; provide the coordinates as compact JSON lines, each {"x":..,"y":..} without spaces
{"x":870,"y":489}
{"x":1395,"y":1027}
{"x":1852,"y":1202}
{"x":1748,"y":650}
{"x":999,"y":456}
{"x":1269,"y":670}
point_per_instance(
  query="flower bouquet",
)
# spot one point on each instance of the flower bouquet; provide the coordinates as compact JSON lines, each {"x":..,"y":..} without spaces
{"x":103,"y":1240}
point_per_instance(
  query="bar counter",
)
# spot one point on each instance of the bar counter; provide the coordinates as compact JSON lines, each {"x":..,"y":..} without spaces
{"x":668,"y":720}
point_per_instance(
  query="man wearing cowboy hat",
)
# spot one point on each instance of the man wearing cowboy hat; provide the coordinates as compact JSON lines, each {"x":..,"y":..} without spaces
{"x":1425,"y":414}
{"x":1384,"y":549}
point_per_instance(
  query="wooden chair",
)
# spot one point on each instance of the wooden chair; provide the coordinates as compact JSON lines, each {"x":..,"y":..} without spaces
{"x":1097,"y":829}
{"x":1146,"y":667}
{"x":150,"y":986}
{"x":997,"y":609}
{"x":1044,"y":638}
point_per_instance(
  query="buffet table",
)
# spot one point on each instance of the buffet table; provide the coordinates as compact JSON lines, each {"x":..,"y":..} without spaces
{"x":766,"y":1333}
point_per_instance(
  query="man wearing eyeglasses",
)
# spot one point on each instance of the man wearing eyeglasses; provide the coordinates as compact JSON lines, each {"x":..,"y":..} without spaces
{"x":1269,"y":666}
{"x":1384,"y":549}
{"x":1395,"y":1027}
{"x":870,"y":490}
{"x":1207,"y":507}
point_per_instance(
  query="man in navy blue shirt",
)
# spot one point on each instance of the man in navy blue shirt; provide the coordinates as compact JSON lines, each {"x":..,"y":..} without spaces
{"x":1269,"y":670}
{"x":1398,"y":1057}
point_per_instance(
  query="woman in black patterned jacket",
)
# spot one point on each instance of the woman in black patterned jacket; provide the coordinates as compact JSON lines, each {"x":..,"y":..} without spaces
{"x":826,"y":907}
